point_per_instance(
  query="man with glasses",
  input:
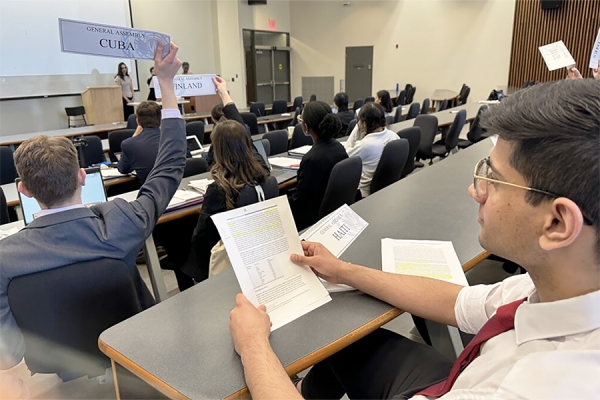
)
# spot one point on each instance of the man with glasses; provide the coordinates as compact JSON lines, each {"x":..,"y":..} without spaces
{"x":537,"y":334}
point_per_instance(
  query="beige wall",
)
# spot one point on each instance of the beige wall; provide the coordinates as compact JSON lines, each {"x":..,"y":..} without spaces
{"x":257,"y":17}
{"x":441,"y":43}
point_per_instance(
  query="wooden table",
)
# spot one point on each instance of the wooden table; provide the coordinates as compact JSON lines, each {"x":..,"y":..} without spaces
{"x":183,"y":348}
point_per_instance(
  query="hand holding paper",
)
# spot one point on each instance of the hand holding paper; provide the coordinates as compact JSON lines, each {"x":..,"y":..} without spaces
{"x":248,"y":324}
{"x":321,"y":260}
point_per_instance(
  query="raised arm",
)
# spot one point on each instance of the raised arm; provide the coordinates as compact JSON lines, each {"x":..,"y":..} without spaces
{"x":229,"y":108}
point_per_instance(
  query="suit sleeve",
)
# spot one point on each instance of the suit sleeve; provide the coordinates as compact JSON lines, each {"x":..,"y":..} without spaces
{"x":125,"y":164}
{"x":231,"y":112}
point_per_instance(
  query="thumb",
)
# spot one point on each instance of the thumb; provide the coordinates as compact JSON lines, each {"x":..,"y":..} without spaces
{"x":299,"y":259}
{"x":262,"y":307}
{"x":158,"y":52}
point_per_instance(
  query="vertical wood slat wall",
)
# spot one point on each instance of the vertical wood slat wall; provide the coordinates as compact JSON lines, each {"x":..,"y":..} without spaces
{"x":576,"y":24}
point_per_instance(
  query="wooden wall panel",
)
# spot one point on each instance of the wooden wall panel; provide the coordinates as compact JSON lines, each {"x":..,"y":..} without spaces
{"x":576,"y":24}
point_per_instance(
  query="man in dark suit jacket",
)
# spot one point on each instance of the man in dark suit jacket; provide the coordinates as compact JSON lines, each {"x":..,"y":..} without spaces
{"x":66,"y":232}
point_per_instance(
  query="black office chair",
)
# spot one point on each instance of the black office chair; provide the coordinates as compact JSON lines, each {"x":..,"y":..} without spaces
{"x":297,"y":113}
{"x":267,"y":146}
{"x":407,"y":91}
{"x":195,"y":128}
{"x":369,"y":99}
{"x":351,"y":126}
{"x":299,"y":139}
{"x":443,"y":105}
{"x":402,"y":98}
{"x":413,"y":111}
{"x":132,"y":121}
{"x":342,"y":185}
{"x":92,"y":151}
{"x":313,"y":97}
{"x":410,"y":97}
{"x":413,"y":135}
{"x":73,"y":112}
{"x":250,"y":120}
{"x":464,"y":95}
{"x":475,"y":130}
{"x":425,"y":107}
{"x":389,"y":120}
{"x":4,"y":217}
{"x":279,"y":107}
{"x":391,"y":164}
{"x":258,"y":109}
{"x":8,"y":172}
{"x":298,"y":103}
{"x":62,"y":312}
{"x":398,"y":114}
{"x":115,"y":138}
{"x":429,"y":126}
{"x":278,"y":140}
{"x":443,"y":147}
{"x":358,"y":103}
{"x":194,"y":166}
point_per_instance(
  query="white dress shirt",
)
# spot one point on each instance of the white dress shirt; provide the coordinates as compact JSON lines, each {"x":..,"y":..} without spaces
{"x":553,"y":352}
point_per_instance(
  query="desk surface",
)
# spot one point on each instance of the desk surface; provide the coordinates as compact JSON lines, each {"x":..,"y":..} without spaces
{"x":183,"y":347}
{"x":445,"y":118}
{"x":84,"y":130}
{"x":442,"y":94}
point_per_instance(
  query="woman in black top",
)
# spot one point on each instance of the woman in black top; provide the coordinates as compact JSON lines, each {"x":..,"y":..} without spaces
{"x":322,"y":125}
{"x":151,"y":94}
{"x":340,"y":102}
{"x":383,"y":98}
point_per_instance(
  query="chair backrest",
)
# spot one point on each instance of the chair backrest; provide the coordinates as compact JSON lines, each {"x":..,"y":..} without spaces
{"x":75,"y":111}
{"x":389,"y":120}
{"x":194,"y":166}
{"x":298,"y":102}
{"x":297,"y":112}
{"x":342,"y":185}
{"x":413,"y":111}
{"x":299,"y":139}
{"x":475,"y":130}
{"x":465,"y":95}
{"x":413,"y":135}
{"x":8,"y":172}
{"x":390,"y":166}
{"x":93,"y":152}
{"x":351,"y":126}
{"x":267,"y":146}
{"x":398,"y":114}
{"x":402,"y":98}
{"x":278,"y":140}
{"x":426,"y":105}
{"x":62,"y":312}
{"x":4,"y":218}
{"x":258,"y":109}
{"x":195,"y":128}
{"x":250,"y":120}
{"x":313,"y":97}
{"x":132,"y":121}
{"x":410,"y":97}
{"x":429,"y":126}
{"x":249,"y":196}
{"x":444,"y":105}
{"x":358,"y":103}
{"x":452,"y":136}
{"x":115,"y":138}
{"x":369,"y":99}
{"x":279,"y":107}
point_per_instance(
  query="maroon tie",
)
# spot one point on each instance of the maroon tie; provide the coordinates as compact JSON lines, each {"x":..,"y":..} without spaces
{"x":502,"y":321}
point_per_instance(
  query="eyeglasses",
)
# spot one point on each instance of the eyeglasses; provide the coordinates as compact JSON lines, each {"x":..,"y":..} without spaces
{"x":482,"y":175}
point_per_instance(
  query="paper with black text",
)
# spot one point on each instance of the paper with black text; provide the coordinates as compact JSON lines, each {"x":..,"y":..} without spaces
{"x":556,"y":55}
{"x":259,"y":240}
{"x":595,"y":56}
{"x":429,"y":258}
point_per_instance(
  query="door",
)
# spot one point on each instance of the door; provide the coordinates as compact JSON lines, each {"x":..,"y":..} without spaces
{"x":264,"y":76}
{"x":281,"y":73}
{"x":359,"y":72}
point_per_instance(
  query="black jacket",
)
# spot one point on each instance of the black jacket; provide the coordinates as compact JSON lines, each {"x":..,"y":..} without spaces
{"x":345,"y":117}
{"x":139,"y":153}
{"x":313,"y":176}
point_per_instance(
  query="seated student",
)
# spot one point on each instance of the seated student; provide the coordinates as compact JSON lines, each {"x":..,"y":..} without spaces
{"x":235,"y":168}
{"x":316,"y":165}
{"x":383,"y":98}
{"x":67,"y":232}
{"x":367,"y":140}
{"x":538,"y":333}
{"x":340,"y":103}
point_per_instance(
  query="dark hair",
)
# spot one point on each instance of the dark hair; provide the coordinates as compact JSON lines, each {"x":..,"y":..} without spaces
{"x":120,"y":73}
{"x":318,"y":118}
{"x":386,"y":101}
{"x":555,"y":132}
{"x":216,"y":113}
{"x":373,"y":116}
{"x":341,"y":101}
{"x":235,"y":165}
{"x":148,"y":114}
{"x":151,"y":69}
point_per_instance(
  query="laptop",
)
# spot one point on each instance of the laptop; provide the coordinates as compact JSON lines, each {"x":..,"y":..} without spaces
{"x":280,"y":174}
{"x":92,"y":193}
{"x":194,"y":145}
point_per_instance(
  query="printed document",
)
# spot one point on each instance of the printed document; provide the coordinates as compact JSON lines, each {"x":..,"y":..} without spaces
{"x":556,"y":55}
{"x":595,"y":56}
{"x":259,"y":240}
{"x":432,"y":259}
{"x":189,"y":85}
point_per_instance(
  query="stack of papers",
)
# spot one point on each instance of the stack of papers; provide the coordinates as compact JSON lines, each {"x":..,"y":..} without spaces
{"x":184,"y":197}
{"x":299,"y":151}
{"x":285,"y":162}
{"x":200,"y":185}
{"x":111,"y":173}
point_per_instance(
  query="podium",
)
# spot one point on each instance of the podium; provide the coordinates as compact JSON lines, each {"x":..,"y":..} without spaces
{"x":201,"y":104}
{"x":103,"y":105}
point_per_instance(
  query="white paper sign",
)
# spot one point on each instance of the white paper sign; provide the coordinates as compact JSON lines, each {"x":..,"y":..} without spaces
{"x":109,"y":41}
{"x":595,"y":52}
{"x":189,"y":85}
{"x":556,"y":55}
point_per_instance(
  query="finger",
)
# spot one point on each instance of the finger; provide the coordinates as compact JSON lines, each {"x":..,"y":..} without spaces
{"x":241,"y":300}
{"x":299,"y":259}
{"x":158,"y":52}
{"x":262,"y":307}
{"x":172,"y":56}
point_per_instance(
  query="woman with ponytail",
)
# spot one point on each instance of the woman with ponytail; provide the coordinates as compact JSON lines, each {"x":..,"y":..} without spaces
{"x":322,"y":125}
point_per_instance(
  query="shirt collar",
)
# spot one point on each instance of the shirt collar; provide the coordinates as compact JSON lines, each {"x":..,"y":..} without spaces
{"x":57,"y":210}
{"x":536,"y":321}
